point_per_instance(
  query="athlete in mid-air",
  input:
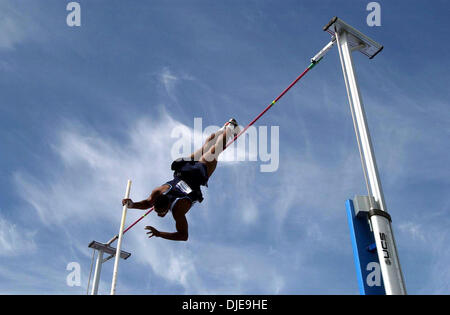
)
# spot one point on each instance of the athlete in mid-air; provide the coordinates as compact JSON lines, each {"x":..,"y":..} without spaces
{"x":179,"y":194}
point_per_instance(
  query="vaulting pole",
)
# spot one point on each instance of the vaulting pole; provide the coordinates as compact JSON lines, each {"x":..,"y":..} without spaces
{"x":129,"y":227}
{"x":314,"y":61}
{"x":119,"y":242}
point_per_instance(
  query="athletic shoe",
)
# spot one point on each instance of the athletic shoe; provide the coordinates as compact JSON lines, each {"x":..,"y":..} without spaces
{"x":233,"y":125}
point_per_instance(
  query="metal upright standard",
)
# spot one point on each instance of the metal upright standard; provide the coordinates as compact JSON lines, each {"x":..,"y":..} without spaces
{"x":348,"y":40}
{"x":101,"y":250}
{"x":111,"y":251}
{"x":119,"y":242}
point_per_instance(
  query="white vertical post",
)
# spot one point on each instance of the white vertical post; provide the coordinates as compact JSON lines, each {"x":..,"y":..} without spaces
{"x":119,"y":242}
{"x":386,"y":248}
{"x":98,"y":270}
{"x":363,"y":135}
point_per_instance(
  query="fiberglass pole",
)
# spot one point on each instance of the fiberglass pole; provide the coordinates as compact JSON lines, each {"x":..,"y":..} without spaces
{"x":314,"y":61}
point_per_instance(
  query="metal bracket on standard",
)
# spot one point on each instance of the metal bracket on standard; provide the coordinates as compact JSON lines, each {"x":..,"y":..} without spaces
{"x":363,"y":205}
{"x":102,"y":249}
{"x":379,"y":212}
{"x":108,"y":249}
{"x":357,"y":40}
{"x":364,"y":247}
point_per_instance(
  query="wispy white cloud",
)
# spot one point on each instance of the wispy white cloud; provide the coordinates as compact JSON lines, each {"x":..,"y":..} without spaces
{"x":15,"y":240}
{"x":168,"y":79}
{"x":213,"y":268}
{"x":413,"y":230}
{"x":11,"y":32}
{"x":87,"y":179}
{"x":16,"y":24}
{"x":92,"y":170}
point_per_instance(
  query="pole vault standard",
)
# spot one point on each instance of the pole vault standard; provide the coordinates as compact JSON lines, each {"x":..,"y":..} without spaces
{"x":349,"y":40}
{"x":114,"y":252}
{"x":119,"y":242}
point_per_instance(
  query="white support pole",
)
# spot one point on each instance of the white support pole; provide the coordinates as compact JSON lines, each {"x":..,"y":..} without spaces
{"x":361,"y":129}
{"x":119,"y":242}
{"x":386,"y":248}
{"x":98,"y":271}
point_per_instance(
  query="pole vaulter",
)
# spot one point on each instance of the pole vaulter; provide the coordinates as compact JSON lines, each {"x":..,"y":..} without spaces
{"x":314,"y":61}
{"x":179,"y":194}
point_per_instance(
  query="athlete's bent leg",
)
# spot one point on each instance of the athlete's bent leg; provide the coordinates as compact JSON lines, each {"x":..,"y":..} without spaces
{"x":210,"y":141}
{"x":211,"y":156}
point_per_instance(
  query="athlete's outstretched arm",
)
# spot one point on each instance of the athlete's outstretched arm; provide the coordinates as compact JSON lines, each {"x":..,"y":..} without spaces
{"x":180,"y":235}
{"x":146,"y":203}
{"x":181,"y":224}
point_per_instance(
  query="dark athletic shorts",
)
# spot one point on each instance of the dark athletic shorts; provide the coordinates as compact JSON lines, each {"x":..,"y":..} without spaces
{"x":194,"y":174}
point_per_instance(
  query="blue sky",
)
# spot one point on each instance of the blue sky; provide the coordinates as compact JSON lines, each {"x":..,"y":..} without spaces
{"x":84,"y":109}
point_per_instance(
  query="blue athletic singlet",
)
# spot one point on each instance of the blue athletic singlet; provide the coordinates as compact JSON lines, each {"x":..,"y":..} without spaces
{"x":179,"y":189}
{"x":187,"y":178}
